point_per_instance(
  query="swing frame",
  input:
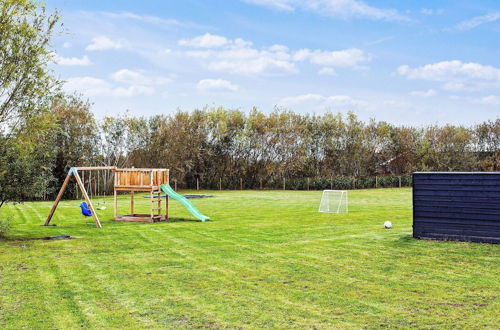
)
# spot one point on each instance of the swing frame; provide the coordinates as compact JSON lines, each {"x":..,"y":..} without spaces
{"x":125,"y":179}
{"x":73,"y":172}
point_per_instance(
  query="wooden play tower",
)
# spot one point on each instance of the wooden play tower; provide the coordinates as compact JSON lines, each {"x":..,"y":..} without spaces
{"x":125,"y":179}
{"x":145,"y":180}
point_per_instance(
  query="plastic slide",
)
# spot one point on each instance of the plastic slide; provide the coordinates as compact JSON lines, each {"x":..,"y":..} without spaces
{"x":184,"y":201}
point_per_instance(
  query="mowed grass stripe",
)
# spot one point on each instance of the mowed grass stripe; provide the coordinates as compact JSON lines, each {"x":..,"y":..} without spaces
{"x":268,"y":259}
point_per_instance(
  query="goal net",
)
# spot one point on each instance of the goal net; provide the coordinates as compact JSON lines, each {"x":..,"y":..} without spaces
{"x":333,"y":201}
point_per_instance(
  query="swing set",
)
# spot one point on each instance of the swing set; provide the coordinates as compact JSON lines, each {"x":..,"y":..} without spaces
{"x":125,"y":179}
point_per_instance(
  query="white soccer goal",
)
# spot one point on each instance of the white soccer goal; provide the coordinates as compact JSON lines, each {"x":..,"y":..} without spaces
{"x":334,"y":201}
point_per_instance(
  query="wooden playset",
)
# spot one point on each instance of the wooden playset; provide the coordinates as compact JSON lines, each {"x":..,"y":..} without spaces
{"x":142,"y":179}
{"x":125,"y":179}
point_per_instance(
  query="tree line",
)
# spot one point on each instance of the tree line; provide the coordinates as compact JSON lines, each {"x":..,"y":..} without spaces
{"x":233,"y":149}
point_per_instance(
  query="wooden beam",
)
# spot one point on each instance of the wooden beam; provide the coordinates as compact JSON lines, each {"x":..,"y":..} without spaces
{"x":132,"y":202}
{"x":87,"y":199}
{"x":141,"y":169}
{"x":151,"y":197}
{"x":116,"y":204}
{"x":115,"y":199}
{"x":58,"y":199}
{"x":132,"y":187}
{"x":90,"y":168}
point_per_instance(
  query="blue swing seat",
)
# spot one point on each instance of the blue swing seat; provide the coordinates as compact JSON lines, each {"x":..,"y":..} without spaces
{"x":85,"y":209}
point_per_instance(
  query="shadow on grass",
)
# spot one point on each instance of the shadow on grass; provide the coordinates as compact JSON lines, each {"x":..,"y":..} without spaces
{"x":181,"y":220}
{"x":407,"y":238}
{"x":44,"y":238}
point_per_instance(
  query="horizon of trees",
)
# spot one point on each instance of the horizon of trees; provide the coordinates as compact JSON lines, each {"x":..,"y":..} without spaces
{"x":218,"y":146}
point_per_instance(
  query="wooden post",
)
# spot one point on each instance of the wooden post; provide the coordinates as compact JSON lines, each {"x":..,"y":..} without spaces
{"x":260,"y":183}
{"x":83,"y":181}
{"x":87,"y":199}
{"x":115,"y":197}
{"x":284,"y":184}
{"x":220,"y":183}
{"x":58,"y":198}
{"x":307,"y":183}
{"x":197,"y":184}
{"x":175,"y":184}
{"x":399,"y":181}
{"x":166,"y":207}
{"x":376,"y":181}
{"x":331,"y":183}
{"x":241,"y":184}
{"x":167,"y":181}
{"x":151,"y":198}
{"x":132,"y":211}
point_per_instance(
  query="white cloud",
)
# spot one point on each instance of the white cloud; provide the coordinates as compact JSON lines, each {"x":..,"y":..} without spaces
{"x":427,"y":11}
{"x":67,"y":44}
{"x":216,"y":85}
{"x":205,"y":41}
{"x":72,"y":61}
{"x":259,"y":64}
{"x":486,"y":100}
{"x":164,"y":52}
{"x":320,"y":102}
{"x":240,"y":57}
{"x":455,"y":75}
{"x":143,"y":18}
{"x":104,"y":43}
{"x":344,"y":9}
{"x":489,"y":100}
{"x":478,"y":20}
{"x":138,"y":77}
{"x":91,"y":86}
{"x":279,"y":48}
{"x":351,"y":57}
{"x":327,"y":72}
{"x":277,"y":4}
{"x":427,"y":93}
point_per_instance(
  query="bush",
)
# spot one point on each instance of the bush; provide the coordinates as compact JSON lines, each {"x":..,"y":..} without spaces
{"x":4,"y":226}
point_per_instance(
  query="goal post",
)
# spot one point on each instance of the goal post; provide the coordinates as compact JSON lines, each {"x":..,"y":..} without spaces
{"x":334,"y":201}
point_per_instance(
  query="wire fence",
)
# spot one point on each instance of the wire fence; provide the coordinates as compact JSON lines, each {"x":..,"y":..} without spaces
{"x":315,"y":183}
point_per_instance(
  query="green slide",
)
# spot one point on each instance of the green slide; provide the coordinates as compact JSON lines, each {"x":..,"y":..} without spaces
{"x":184,"y":201}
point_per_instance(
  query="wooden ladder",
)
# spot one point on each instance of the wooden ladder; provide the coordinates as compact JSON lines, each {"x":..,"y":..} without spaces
{"x":156,"y":204}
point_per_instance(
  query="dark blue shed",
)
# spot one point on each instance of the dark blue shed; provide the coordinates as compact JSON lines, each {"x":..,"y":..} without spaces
{"x":461,"y":206}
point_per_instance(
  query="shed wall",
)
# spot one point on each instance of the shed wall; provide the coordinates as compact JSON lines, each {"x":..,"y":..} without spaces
{"x":462,"y":206}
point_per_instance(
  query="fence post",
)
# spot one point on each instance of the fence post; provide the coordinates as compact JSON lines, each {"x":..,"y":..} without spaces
{"x":260,"y":183}
{"x":353,"y":183}
{"x":241,"y":184}
{"x":220,"y":183}
{"x":399,"y":181}
{"x":175,"y":184}
{"x":307,"y":183}
{"x":331,"y":183}
{"x":284,"y":185}
{"x":376,"y":181}
{"x":197,"y":184}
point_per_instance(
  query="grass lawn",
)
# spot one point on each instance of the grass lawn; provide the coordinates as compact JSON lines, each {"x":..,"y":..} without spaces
{"x":268,"y":259}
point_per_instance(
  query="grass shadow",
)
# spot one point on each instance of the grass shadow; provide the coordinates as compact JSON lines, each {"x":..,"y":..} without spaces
{"x":43,"y":238}
{"x":407,"y":238}
{"x":181,"y":220}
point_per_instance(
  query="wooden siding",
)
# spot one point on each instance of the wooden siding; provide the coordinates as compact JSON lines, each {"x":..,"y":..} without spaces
{"x":462,"y":206}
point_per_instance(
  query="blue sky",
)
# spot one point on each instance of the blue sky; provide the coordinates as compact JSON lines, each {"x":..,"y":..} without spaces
{"x":406,"y":62}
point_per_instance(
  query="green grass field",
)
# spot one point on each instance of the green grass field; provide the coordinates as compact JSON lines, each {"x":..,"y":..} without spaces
{"x":268,"y":259}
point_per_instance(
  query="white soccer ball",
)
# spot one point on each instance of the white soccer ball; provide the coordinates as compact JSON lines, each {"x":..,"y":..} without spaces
{"x":387,"y":225}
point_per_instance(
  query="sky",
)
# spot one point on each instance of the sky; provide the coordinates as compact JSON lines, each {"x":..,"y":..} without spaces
{"x":405,"y":62}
